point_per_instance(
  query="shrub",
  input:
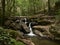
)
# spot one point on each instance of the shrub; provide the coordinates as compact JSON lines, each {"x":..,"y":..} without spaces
{"x":7,"y":37}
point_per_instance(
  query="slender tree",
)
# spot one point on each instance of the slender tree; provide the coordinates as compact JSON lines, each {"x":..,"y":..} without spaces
{"x":3,"y":11}
{"x":49,"y":9}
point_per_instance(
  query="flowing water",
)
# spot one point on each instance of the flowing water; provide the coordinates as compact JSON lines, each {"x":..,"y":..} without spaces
{"x":31,"y":32}
{"x":25,"y":20}
{"x":38,"y":41}
{"x":30,"y":28}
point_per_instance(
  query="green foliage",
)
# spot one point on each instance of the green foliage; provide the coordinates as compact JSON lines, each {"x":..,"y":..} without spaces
{"x":57,"y":10}
{"x":17,"y":42}
{"x":58,"y":14}
{"x":7,"y":39}
{"x":29,"y":7}
{"x":13,"y":33}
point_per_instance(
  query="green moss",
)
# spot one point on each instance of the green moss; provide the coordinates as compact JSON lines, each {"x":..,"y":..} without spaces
{"x":17,"y":42}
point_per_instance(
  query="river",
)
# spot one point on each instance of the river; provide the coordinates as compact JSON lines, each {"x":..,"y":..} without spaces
{"x":38,"y":41}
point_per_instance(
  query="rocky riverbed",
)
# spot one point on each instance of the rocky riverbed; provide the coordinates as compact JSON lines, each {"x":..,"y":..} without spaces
{"x":42,"y":26}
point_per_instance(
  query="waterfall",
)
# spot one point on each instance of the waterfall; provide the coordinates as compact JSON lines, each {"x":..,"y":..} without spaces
{"x":25,"y":20}
{"x":31,"y":32}
{"x":30,"y":28}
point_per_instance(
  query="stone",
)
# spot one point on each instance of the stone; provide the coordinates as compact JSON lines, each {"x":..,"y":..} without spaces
{"x":25,"y":27}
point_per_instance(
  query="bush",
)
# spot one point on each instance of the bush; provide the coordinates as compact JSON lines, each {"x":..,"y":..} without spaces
{"x":6,"y":39}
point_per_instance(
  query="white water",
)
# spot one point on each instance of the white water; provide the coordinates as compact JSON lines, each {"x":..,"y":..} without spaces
{"x":31,"y":32}
{"x":25,"y":20}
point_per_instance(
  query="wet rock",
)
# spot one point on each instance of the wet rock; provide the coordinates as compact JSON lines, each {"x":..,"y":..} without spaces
{"x":38,"y":33}
{"x":12,"y":26}
{"x":17,"y":21}
{"x":27,"y":41}
{"x":24,"y":26}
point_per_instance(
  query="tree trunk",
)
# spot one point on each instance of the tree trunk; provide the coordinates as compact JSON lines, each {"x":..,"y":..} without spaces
{"x":49,"y":9}
{"x":3,"y":11}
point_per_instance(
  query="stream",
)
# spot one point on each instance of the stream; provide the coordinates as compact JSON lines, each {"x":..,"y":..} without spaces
{"x":30,"y":28}
{"x":31,"y":32}
{"x":38,"y":41}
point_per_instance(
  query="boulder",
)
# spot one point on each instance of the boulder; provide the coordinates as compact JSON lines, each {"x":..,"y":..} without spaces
{"x":8,"y":22}
{"x":25,"y":27}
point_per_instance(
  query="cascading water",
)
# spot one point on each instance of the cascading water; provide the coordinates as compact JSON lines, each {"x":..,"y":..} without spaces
{"x":31,"y":32}
{"x":25,"y":20}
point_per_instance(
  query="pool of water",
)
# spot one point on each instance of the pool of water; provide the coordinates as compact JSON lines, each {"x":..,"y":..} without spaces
{"x":38,"y":41}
